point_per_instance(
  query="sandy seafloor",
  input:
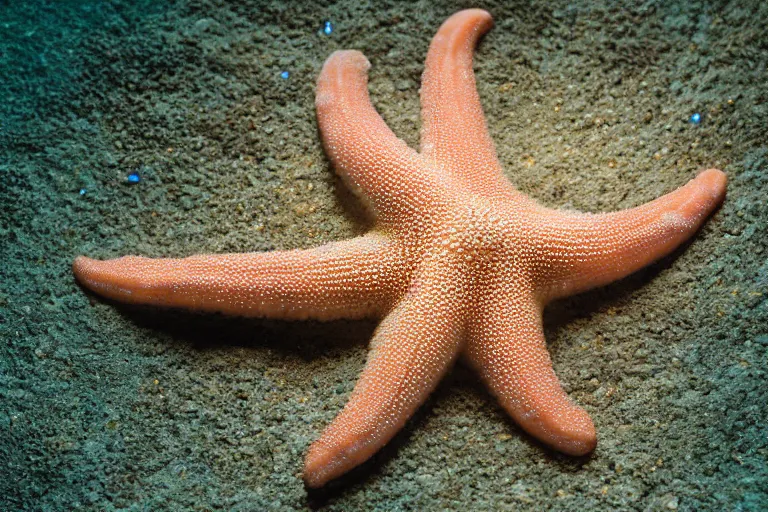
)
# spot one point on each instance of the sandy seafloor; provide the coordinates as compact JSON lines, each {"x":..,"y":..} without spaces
{"x":105,"y":407}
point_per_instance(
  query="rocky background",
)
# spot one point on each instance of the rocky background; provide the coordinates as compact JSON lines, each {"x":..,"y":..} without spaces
{"x":104,"y":407}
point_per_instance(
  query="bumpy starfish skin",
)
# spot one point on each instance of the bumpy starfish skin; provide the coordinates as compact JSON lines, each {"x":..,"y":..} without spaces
{"x":459,"y":262}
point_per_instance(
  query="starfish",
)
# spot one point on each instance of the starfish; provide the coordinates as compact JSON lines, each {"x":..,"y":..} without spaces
{"x":458,"y":263}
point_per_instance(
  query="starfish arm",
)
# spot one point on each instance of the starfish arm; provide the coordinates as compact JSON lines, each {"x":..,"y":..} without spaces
{"x":408,"y":356}
{"x":592,"y":250}
{"x":349,"y":279}
{"x":506,"y":346}
{"x":377,"y":166}
{"x":454,"y":132}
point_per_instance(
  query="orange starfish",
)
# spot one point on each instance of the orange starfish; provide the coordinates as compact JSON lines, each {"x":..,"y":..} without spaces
{"x":458,"y":263}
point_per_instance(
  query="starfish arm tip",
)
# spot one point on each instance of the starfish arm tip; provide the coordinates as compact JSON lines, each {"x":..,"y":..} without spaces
{"x":316,"y":471}
{"x":716,"y":181}
{"x":688,"y":207}
{"x":324,"y":463}
{"x":555,"y":421}
{"x":81,"y":268}
{"x":119,"y":279}
{"x":342,"y":60}
{"x":85,"y":270}
{"x":577,"y":438}
{"x":480,"y":14}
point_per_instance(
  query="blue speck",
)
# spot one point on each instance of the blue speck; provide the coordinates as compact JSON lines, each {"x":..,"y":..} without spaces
{"x":83,"y":191}
{"x":327,"y":28}
{"x":284,"y":75}
{"x":695,"y":118}
{"x":134,"y":177}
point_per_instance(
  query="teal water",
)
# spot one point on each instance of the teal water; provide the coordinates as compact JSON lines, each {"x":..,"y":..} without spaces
{"x":104,"y":407}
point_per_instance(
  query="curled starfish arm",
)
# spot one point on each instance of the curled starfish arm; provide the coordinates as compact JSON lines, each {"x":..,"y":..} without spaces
{"x":379,"y":167}
{"x":506,"y":346}
{"x":349,"y":279}
{"x":605,"y":247}
{"x":454,"y":132}
{"x":407,"y":359}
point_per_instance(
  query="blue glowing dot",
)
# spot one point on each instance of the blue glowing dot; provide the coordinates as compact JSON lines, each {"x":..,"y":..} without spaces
{"x":327,"y":28}
{"x":83,"y":191}
{"x":284,"y":75}
{"x":134,"y":177}
{"x":695,"y":118}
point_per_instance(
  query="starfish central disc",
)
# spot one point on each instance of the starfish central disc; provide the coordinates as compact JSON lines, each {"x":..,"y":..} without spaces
{"x":459,"y":263}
